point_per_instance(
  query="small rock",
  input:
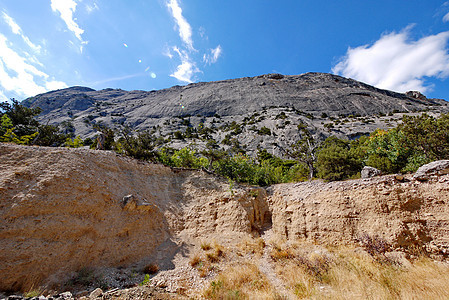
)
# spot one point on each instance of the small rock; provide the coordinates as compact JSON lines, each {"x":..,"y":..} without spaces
{"x":66,"y":295}
{"x":369,"y":172}
{"x":399,"y":258}
{"x":96,"y":293}
{"x":399,"y":177}
{"x":439,"y":167}
{"x":81,"y":294}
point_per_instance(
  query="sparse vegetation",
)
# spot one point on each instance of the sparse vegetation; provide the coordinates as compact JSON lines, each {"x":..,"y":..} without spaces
{"x":418,"y":140}
{"x":240,"y":282}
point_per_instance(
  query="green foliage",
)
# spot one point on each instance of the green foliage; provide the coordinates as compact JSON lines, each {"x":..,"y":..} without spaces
{"x":188,"y":158}
{"x":74,"y":143}
{"x":264,"y":131}
{"x":22,"y":117}
{"x":427,"y":136}
{"x":386,"y":150}
{"x":146,"y":280}
{"x":140,"y":146}
{"x":49,"y":135}
{"x":239,"y":167}
{"x":304,"y":150}
{"x":8,"y":135}
{"x":335,"y":160}
{"x":108,"y":135}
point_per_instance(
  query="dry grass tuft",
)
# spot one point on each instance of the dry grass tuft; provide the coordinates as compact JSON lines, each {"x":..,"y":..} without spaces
{"x":205,"y":246}
{"x":252,"y":246}
{"x":353,"y":274}
{"x":278,"y":253}
{"x":216,"y":254}
{"x":205,"y":262}
{"x":240,"y":282}
{"x":151,"y":269}
{"x":195,"y":260}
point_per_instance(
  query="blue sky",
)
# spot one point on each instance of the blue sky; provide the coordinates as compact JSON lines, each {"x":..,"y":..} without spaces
{"x":153,"y":44}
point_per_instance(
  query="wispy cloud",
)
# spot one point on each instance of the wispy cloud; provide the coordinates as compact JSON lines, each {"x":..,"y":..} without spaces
{"x":112,"y":79}
{"x":186,"y":69}
{"x":446,"y":18}
{"x":398,"y":63}
{"x":66,"y":9}
{"x":19,"y":76}
{"x":213,"y":55}
{"x":184,"y":28}
{"x":15,"y":28}
{"x":90,"y":8}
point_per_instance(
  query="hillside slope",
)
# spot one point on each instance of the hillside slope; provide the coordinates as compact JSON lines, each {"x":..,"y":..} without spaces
{"x":327,"y":104}
{"x":62,"y":210}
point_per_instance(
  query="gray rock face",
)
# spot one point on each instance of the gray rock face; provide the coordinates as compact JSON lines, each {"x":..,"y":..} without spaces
{"x":439,"y":167}
{"x":369,"y":172}
{"x":415,"y":94}
{"x":327,"y":104}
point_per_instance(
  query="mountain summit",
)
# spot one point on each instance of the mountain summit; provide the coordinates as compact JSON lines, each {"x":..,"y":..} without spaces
{"x":327,"y":104}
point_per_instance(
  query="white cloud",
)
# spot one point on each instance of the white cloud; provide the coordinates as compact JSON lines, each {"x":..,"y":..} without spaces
{"x":186,"y":69}
{"x":66,"y":9}
{"x":15,"y":28}
{"x":167,"y":52}
{"x":185,"y":31}
{"x":90,"y":8}
{"x":12,"y":24}
{"x":396,"y":62}
{"x":213,"y":56}
{"x":446,"y":18}
{"x":19,"y":76}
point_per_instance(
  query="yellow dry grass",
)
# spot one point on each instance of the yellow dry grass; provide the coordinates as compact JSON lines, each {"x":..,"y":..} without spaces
{"x":347,"y":273}
{"x":242,"y":281}
{"x":252,"y":246}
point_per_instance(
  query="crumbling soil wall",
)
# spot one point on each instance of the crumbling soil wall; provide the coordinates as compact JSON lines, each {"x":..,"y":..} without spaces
{"x":403,"y":213}
{"x":65,"y":209}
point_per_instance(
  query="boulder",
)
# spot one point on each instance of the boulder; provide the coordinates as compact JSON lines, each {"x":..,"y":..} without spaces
{"x":96,"y":293}
{"x":369,"y":172}
{"x":439,"y":167}
{"x":416,"y":95}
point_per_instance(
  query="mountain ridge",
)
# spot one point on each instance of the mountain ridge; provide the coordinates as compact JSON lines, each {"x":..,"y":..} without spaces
{"x":326,"y":104}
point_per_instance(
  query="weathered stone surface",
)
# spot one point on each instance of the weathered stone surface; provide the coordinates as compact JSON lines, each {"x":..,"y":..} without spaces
{"x":369,"y":172}
{"x":96,"y":293}
{"x":257,"y":100}
{"x":416,"y":94}
{"x":440,"y":167}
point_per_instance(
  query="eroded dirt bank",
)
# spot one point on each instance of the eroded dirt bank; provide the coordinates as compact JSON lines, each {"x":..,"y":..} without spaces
{"x":65,"y":209}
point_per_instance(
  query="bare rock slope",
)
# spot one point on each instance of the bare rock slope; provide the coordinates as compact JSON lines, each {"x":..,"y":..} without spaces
{"x":65,"y":209}
{"x":327,"y":104}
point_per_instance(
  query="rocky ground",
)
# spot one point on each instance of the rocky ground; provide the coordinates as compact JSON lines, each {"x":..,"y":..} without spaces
{"x":77,"y":220}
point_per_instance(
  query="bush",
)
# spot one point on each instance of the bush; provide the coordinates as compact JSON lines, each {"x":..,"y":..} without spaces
{"x":188,"y":158}
{"x":335,"y":160}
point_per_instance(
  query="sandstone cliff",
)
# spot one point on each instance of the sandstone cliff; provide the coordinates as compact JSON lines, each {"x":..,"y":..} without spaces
{"x":65,"y":209}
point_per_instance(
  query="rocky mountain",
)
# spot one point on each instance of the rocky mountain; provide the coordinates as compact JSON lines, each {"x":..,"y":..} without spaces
{"x":261,"y":111}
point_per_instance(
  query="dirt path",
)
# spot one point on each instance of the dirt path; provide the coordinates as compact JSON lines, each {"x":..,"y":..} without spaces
{"x":265,"y":265}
